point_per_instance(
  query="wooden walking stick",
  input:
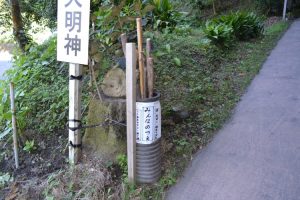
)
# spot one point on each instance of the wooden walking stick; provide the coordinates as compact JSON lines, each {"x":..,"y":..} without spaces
{"x":141,"y":60}
{"x":148,"y":48}
{"x":124,"y":41}
{"x":150,"y":77}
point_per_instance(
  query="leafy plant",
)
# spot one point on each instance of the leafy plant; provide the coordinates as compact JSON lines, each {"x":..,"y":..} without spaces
{"x":219,"y":34}
{"x":122,"y":162}
{"x":4,"y":179}
{"x":41,"y":85}
{"x":245,"y":25}
{"x":164,"y":16}
{"x":29,"y":146}
{"x":113,"y":19}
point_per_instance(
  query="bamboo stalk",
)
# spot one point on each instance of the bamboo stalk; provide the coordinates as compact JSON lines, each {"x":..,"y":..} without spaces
{"x":141,"y":60}
{"x":149,"y":91}
{"x":150,"y":77}
{"x":14,"y":124}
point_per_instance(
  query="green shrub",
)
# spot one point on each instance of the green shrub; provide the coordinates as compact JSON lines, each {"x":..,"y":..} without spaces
{"x":164,"y":16}
{"x":239,"y":25}
{"x":219,"y":34}
{"x":41,"y":90}
{"x":245,"y":25}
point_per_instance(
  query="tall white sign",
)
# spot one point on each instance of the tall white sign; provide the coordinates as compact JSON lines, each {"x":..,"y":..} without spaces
{"x":73,"y":31}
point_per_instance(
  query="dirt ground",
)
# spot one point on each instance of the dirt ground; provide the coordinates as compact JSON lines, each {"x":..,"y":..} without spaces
{"x":50,"y":156}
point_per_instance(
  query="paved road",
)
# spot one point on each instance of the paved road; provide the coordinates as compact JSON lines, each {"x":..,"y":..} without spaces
{"x":256,"y":156}
{"x":5,"y":63}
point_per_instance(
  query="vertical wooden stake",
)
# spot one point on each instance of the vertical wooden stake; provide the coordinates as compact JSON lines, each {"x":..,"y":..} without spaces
{"x":124,"y":41}
{"x":75,"y":72}
{"x":284,"y":10}
{"x":14,"y":124}
{"x":131,"y":109}
{"x":148,"y":48}
{"x":141,"y":60}
{"x":150,"y":77}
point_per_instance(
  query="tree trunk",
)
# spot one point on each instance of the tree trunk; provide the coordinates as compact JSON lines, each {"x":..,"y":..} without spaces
{"x":18,"y":26}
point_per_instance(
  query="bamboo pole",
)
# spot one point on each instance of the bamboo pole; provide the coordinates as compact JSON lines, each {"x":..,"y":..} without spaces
{"x":131,"y":109}
{"x":14,"y":124}
{"x":141,"y":60}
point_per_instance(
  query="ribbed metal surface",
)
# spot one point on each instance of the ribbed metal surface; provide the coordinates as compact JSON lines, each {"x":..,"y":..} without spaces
{"x":148,"y":162}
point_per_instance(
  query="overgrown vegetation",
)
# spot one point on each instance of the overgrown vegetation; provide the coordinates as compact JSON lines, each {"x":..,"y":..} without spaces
{"x":239,"y":25}
{"x":41,"y":90}
{"x":195,"y":69}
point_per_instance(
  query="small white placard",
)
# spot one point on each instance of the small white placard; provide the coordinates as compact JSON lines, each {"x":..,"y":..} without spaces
{"x":73,"y":18}
{"x":148,"y":122}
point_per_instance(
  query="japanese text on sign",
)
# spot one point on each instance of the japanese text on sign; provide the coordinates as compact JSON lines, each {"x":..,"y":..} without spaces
{"x":148,"y":122}
{"x":73,"y":31}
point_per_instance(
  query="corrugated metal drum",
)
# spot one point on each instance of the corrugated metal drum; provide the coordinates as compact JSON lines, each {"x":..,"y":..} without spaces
{"x":148,"y":147}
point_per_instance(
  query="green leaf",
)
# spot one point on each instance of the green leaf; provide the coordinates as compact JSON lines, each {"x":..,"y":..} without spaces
{"x":177,"y":62}
{"x":5,"y":133}
{"x":168,"y":48}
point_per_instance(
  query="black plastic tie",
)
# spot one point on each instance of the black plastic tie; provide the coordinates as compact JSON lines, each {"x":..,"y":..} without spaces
{"x":75,"y":128}
{"x":79,"y":78}
{"x":75,"y":145}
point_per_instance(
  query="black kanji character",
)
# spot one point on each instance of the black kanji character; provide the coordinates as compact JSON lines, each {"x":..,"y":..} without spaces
{"x":73,"y":19}
{"x":76,"y":1}
{"x":147,"y":110}
{"x":73,"y":43}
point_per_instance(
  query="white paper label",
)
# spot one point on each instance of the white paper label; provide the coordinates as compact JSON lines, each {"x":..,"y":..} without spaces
{"x":148,"y":122}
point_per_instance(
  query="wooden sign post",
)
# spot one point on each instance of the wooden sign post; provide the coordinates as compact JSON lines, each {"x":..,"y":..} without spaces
{"x":75,"y":113}
{"x":131,"y":59}
{"x":72,"y":47}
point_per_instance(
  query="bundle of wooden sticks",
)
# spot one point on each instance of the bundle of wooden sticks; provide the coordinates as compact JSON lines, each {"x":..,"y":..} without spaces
{"x":145,"y":62}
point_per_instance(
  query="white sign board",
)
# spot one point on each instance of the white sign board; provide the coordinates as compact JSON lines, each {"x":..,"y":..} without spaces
{"x":148,"y":122}
{"x":73,"y":18}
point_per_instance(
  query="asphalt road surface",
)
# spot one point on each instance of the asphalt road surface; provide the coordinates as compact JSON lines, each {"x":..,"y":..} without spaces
{"x":5,"y":63}
{"x":256,"y":156}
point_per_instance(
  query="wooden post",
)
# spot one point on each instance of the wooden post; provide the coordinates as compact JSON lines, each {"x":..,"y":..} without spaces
{"x":131,"y":109}
{"x":14,"y":124}
{"x":284,"y":10}
{"x":141,"y":60}
{"x":148,"y":48}
{"x":150,"y":77}
{"x":124,"y":41}
{"x":75,"y":82}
